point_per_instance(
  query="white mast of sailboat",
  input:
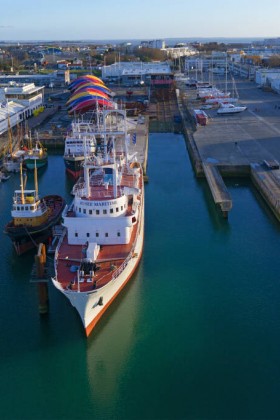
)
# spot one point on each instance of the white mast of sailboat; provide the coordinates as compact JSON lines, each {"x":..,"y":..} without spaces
{"x":226,"y":73}
{"x":10,"y":138}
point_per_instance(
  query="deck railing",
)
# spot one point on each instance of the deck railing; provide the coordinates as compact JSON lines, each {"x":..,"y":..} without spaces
{"x":130,"y":255}
{"x":58,"y":246}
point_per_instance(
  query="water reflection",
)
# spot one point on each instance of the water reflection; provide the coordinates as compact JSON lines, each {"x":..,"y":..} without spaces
{"x":112,"y":343}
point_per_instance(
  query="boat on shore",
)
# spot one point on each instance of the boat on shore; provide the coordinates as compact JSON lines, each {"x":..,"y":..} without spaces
{"x":212,"y":93}
{"x":32,"y":217}
{"x":102,"y":243}
{"x":230,"y":109}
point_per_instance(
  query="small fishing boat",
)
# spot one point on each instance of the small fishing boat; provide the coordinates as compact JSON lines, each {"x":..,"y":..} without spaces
{"x":32,"y":217}
{"x":35,"y":155}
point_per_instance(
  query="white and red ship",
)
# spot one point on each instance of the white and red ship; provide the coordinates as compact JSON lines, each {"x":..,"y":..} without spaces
{"x":102,"y":243}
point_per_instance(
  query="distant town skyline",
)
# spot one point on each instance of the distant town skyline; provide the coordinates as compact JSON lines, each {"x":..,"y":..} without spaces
{"x":71,"y":20}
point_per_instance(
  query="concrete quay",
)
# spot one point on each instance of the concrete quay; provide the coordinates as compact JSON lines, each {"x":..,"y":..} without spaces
{"x":238,"y":144}
{"x":218,"y":189}
{"x":141,"y":129}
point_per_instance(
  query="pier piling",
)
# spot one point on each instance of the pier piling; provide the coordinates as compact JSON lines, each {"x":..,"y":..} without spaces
{"x":39,"y":276}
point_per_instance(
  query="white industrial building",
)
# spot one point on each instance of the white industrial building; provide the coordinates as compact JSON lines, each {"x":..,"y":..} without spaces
{"x":206,"y":62}
{"x":265,"y":77}
{"x":18,"y":101}
{"x":59,"y":78}
{"x":177,"y":52}
{"x":155,"y":43}
{"x":137,"y":73}
{"x":243,"y":70}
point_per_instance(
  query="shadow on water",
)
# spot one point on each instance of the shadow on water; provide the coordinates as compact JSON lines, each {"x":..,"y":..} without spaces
{"x":69,"y":183}
{"x":111,"y":345}
{"x":216,"y":217}
{"x":265,"y":207}
{"x":235,"y":186}
{"x":117,"y":304}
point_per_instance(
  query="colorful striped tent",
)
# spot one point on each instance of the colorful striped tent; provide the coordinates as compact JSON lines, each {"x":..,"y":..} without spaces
{"x":88,"y":92}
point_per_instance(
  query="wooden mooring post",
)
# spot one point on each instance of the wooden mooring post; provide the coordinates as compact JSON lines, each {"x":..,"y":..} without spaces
{"x":39,"y":275}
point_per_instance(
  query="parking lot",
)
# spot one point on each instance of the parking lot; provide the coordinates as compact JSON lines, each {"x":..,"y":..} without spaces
{"x":247,"y":137}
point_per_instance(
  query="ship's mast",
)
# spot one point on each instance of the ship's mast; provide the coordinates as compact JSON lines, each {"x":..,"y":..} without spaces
{"x":78,"y":280}
{"x":126,"y":140}
{"x":87,"y":177}
{"x":21,"y":185}
{"x":30,"y":141}
{"x":10,"y":135}
{"x":86,"y":167}
{"x":226,"y":75}
{"x":36,"y":180}
{"x":114,"y":170}
{"x":19,"y":134}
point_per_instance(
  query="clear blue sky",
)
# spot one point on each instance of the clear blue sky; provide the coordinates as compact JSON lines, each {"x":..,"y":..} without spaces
{"x":143,"y":19}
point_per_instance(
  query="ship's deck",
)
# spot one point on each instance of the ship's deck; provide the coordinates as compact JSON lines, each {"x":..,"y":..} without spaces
{"x":109,"y":260}
{"x":98,"y":190}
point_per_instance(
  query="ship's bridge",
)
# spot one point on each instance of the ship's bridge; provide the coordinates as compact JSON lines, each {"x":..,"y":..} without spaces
{"x":110,"y":207}
{"x":27,"y":202}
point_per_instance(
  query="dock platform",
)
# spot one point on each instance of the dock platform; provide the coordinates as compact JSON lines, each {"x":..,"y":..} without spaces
{"x":140,"y":144}
{"x":218,"y":188}
{"x":268,"y":184}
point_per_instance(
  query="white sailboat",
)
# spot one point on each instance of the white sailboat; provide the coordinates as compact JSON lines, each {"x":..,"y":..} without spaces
{"x":228,"y":106}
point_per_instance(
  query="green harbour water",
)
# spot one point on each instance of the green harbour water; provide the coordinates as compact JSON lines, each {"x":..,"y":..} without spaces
{"x":196,"y":332}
